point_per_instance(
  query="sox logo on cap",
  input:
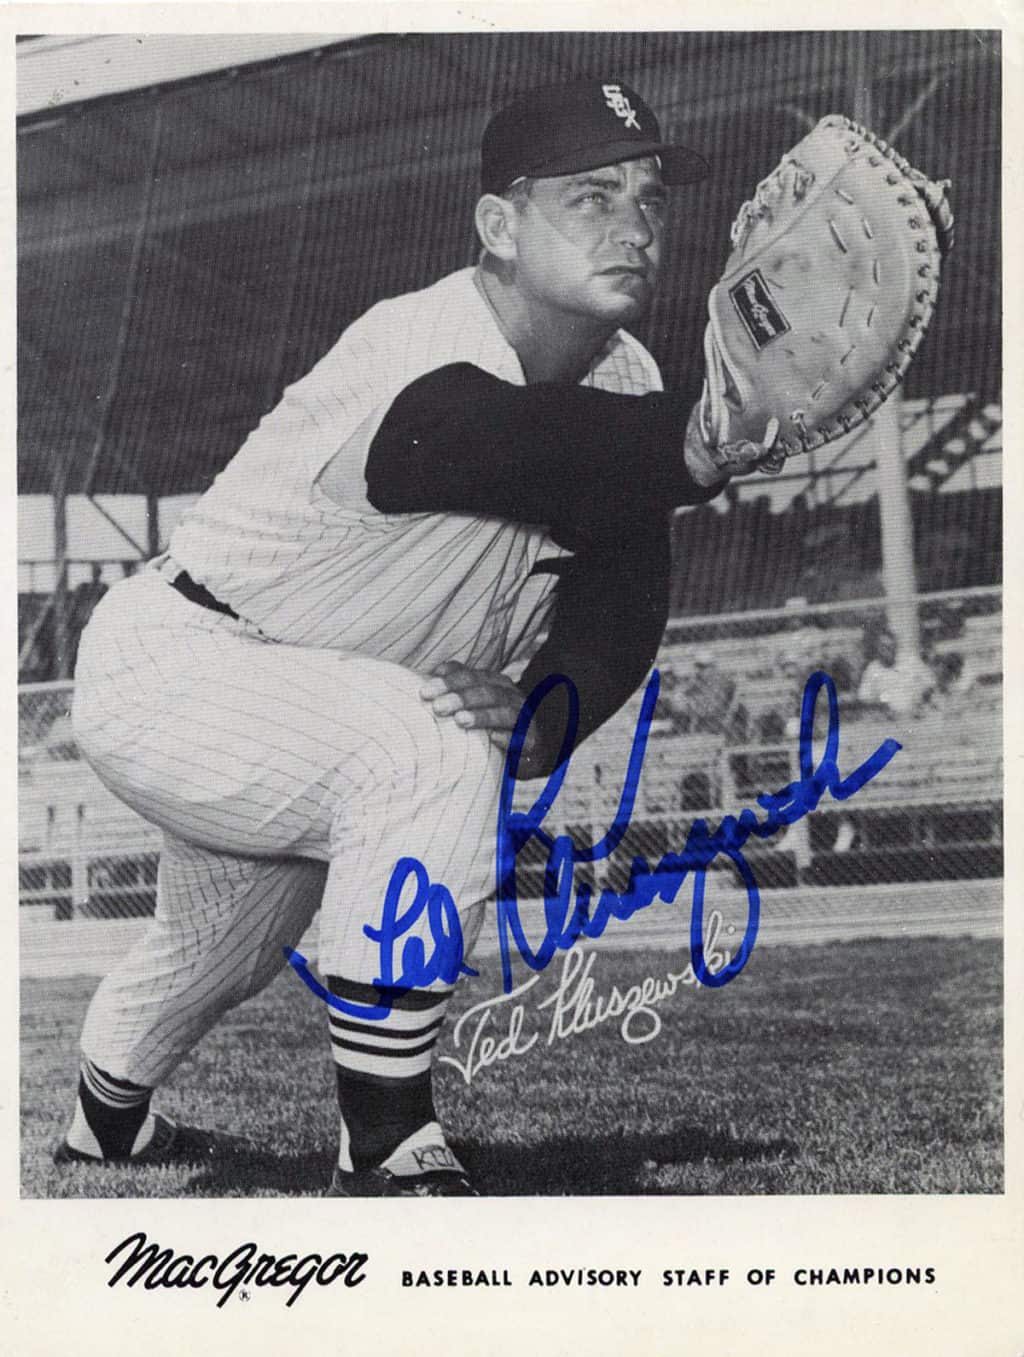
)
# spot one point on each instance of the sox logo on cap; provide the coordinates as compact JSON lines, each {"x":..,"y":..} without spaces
{"x":620,"y":105}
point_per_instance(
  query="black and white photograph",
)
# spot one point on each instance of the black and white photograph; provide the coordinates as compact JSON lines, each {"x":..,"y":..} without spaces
{"x":511,"y":654}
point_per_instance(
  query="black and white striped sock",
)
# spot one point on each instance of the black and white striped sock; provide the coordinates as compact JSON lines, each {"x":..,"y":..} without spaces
{"x":383,"y":1070}
{"x":110,"y":1114}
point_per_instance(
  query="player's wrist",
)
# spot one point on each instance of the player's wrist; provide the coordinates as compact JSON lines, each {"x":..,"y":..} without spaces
{"x":711,"y":463}
{"x":698,"y":456}
{"x":542,"y":746}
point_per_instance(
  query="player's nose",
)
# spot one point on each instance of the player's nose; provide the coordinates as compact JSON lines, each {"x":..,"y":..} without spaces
{"x":631,"y":225}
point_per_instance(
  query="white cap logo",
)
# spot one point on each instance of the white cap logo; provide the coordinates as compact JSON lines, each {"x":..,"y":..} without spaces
{"x":620,"y":105}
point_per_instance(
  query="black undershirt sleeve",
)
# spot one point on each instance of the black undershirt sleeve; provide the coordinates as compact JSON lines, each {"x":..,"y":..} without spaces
{"x":608,"y":617}
{"x":601,"y":471}
{"x":591,"y":465}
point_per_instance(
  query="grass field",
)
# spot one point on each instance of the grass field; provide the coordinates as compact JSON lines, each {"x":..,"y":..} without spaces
{"x":862,"y":1067}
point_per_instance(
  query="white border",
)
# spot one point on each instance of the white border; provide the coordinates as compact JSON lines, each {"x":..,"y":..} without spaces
{"x":54,"y":1297}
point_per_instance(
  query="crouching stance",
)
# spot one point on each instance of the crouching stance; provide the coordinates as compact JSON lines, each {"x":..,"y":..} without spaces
{"x":316,"y":680}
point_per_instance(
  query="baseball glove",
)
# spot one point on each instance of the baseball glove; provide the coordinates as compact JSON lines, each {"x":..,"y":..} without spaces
{"x":826,"y":295}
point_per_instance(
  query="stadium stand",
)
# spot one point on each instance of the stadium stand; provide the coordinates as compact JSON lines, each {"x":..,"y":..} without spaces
{"x":935,"y":814}
{"x":166,"y":293}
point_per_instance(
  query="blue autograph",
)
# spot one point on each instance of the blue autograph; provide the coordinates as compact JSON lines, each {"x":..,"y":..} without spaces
{"x":568,"y":919}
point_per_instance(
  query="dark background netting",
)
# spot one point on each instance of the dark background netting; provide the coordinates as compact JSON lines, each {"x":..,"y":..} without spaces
{"x":187,"y":252}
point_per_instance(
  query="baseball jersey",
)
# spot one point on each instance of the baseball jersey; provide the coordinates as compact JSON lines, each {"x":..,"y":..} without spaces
{"x":412,"y":588}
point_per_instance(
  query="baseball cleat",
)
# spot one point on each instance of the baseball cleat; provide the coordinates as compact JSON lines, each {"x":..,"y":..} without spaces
{"x":422,"y":1166}
{"x":170,"y":1144}
{"x":381,"y":1182}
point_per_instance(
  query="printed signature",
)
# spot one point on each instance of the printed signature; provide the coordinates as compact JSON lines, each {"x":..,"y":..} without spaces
{"x":493,"y":1030}
{"x":570,"y":911}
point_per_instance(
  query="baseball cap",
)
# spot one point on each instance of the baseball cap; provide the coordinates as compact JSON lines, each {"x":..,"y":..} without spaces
{"x":576,"y":126}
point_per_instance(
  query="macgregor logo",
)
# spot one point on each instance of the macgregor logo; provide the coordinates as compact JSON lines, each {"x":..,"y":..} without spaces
{"x":243,"y":1268}
{"x":758,"y":310}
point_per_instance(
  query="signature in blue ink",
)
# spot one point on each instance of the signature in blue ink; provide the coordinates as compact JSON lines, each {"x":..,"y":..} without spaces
{"x":570,"y":911}
{"x":418,"y":971}
{"x":567,"y":920}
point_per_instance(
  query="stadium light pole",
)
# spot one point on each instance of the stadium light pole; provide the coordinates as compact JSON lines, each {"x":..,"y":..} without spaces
{"x":899,"y":577}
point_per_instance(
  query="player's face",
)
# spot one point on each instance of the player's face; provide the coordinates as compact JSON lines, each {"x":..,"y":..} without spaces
{"x":590,"y":243}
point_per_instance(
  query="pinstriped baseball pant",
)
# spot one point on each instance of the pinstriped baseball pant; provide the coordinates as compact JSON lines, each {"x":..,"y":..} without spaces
{"x":283,"y":778}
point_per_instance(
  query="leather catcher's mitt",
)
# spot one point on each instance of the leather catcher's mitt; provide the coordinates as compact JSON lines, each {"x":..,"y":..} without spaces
{"x":826,"y":295}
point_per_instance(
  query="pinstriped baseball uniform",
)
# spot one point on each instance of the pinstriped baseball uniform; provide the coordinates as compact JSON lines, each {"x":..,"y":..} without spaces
{"x":286,"y":753}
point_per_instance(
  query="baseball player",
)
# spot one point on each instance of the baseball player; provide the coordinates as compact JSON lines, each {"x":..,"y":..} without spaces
{"x":316,"y":680}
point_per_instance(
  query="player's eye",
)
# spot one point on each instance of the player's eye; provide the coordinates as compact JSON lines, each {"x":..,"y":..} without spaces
{"x":594,"y":197}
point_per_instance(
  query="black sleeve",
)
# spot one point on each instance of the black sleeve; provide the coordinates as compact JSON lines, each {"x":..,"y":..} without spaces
{"x":609,"y":615}
{"x":591,"y":465}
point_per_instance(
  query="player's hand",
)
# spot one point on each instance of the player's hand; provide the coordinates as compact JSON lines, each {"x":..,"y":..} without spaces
{"x":478,"y":699}
{"x":712,"y":465}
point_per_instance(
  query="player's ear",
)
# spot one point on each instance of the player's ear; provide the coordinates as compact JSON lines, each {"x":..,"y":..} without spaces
{"x":496,"y":220}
